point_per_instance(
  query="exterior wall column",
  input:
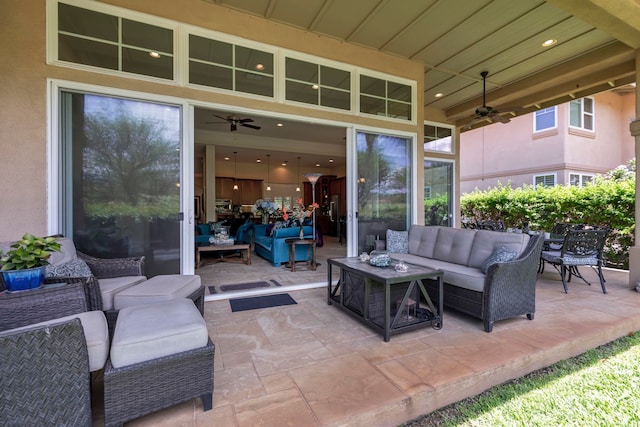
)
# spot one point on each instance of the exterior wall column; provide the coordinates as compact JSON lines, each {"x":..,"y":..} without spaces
{"x":634,"y":252}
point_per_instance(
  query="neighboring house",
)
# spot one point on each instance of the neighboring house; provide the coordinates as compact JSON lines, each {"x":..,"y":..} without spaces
{"x":566,"y":144}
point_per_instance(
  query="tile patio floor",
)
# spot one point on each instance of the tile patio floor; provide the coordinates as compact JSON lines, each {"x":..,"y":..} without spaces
{"x":312,"y":365}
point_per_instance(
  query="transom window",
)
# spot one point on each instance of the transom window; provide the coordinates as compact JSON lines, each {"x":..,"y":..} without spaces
{"x":579,"y":180}
{"x":544,"y":119}
{"x":385,"y":98}
{"x":100,"y":40}
{"x":317,"y":84}
{"x":223,"y":65}
{"x":437,"y":138}
{"x":544,"y":180}
{"x":581,"y":113}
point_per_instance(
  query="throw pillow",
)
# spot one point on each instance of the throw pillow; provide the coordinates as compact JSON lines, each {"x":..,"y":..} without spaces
{"x":500,"y":254}
{"x":398,"y":242}
{"x":74,"y":268}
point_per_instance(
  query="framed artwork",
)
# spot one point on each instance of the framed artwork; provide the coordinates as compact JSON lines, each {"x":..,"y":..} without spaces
{"x":197,"y":206}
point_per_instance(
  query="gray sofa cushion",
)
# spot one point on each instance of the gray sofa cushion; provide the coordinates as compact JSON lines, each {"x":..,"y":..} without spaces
{"x":454,"y":274}
{"x":485,"y":242}
{"x":422,"y":240}
{"x":454,"y":245}
{"x":112,"y":285}
{"x":74,"y":268}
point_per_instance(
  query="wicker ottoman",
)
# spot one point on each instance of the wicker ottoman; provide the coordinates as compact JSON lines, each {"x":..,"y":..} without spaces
{"x":158,"y":288}
{"x":161,"y":355}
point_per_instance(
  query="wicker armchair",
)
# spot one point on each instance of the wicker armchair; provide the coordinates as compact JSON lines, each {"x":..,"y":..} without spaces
{"x":45,"y":303}
{"x":44,"y":376}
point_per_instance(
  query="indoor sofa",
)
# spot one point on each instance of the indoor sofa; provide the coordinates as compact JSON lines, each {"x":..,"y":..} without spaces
{"x":271,"y":245}
{"x":478,"y":279}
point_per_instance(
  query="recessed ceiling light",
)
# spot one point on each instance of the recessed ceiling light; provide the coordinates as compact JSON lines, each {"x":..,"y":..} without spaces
{"x":226,"y":158}
{"x":154,"y":54}
{"x":330,"y":160}
{"x":258,"y":161}
{"x":438,"y":95}
{"x":280,"y":125}
{"x":550,"y":42}
{"x":259,"y":67}
{"x":318,"y":164}
{"x":315,"y":87}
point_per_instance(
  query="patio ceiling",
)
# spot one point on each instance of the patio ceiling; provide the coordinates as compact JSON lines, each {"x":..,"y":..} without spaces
{"x":457,"y":39}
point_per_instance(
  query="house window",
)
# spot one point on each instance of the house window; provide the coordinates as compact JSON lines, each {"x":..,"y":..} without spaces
{"x":106,"y":41}
{"x":223,"y":65}
{"x":438,"y":192}
{"x":544,"y":180}
{"x":437,"y":138}
{"x":385,"y":98}
{"x":581,"y":114}
{"x":579,"y":180}
{"x":544,"y":119}
{"x":317,"y":84}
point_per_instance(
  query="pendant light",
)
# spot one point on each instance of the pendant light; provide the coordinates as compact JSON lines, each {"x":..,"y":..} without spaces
{"x":298,"y":177}
{"x":235,"y":173}
{"x":268,"y":173}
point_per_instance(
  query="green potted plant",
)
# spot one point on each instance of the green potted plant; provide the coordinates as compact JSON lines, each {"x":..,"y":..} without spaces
{"x":23,"y":266}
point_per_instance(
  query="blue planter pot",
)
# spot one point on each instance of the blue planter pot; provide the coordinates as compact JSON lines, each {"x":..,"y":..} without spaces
{"x":20,"y":280}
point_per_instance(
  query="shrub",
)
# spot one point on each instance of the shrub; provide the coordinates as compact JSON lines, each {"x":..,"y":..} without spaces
{"x":609,"y":201}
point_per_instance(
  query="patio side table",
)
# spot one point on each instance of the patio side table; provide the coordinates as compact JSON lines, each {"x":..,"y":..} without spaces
{"x":311,"y":252}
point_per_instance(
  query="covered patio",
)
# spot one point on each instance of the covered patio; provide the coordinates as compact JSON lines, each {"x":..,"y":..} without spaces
{"x":311,"y":365}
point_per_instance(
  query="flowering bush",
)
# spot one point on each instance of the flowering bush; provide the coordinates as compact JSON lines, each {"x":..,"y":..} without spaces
{"x":299,"y":212}
{"x":265,"y":207}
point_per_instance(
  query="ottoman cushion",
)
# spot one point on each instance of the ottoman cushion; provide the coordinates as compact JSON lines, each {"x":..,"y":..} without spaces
{"x":158,"y":288}
{"x":150,"y":331}
{"x":109,"y":287}
{"x":96,"y":333}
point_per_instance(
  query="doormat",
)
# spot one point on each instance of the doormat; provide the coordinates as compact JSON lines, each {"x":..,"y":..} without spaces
{"x":265,"y":301}
{"x":243,"y":286}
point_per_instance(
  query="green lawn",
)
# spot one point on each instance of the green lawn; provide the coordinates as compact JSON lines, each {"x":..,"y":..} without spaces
{"x":598,"y":388}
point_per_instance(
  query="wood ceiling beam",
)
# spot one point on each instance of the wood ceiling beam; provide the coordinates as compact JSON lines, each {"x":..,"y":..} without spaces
{"x":571,"y":71}
{"x":619,"y":18}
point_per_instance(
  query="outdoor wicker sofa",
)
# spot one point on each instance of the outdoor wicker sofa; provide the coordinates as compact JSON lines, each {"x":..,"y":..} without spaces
{"x":506,"y":290}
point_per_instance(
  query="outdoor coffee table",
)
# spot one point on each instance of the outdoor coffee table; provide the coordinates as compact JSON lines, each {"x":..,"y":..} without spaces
{"x":245,"y":253}
{"x":367,"y":293}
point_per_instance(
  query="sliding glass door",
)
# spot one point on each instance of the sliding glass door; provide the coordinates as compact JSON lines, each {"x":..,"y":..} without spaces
{"x":384,"y":178}
{"x":120,"y":187}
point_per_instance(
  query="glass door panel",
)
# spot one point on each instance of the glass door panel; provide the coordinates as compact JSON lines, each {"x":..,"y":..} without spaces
{"x":120,"y":185}
{"x":384,"y":186}
{"x":438,"y":193}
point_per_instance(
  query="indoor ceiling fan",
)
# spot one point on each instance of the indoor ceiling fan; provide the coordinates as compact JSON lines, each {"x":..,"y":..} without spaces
{"x":235,"y":121}
{"x":486,"y":113}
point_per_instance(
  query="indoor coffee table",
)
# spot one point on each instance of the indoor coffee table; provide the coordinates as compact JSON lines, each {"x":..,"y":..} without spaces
{"x":383,"y":298}
{"x":311,"y":252}
{"x":245,"y":253}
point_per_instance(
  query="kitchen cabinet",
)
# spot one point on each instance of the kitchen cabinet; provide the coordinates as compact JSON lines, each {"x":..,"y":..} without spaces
{"x":224,"y":189}
{"x":249,"y":190}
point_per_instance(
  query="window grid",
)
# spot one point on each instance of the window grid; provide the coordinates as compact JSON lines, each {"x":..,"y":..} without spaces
{"x":317,"y":84}
{"x":544,"y":180}
{"x":580,"y":180}
{"x":581,"y":114}
{"x":544,"y":119}
{"x":398,"y":105}
{"x":121,"y":46}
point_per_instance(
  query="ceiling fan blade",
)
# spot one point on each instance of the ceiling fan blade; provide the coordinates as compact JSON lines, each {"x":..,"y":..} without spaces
{"x":226,"y":119}
{"x":234,"y":127}
{"x":214,"y":123}
{"x":501,"y":119}
{"x":250,"y":126}
{"x":247,"y":120}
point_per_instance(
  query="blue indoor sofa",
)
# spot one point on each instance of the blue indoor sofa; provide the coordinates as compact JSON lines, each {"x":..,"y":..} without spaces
{"x":273,"y":248}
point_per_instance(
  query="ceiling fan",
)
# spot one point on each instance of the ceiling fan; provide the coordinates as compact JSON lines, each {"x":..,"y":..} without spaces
{"x":235,"y":121}
{"x":486,"y":113}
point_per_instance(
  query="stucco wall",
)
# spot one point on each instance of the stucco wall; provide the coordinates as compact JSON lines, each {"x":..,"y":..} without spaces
{"x":514,"y":153}
{"x":24,"y":72}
